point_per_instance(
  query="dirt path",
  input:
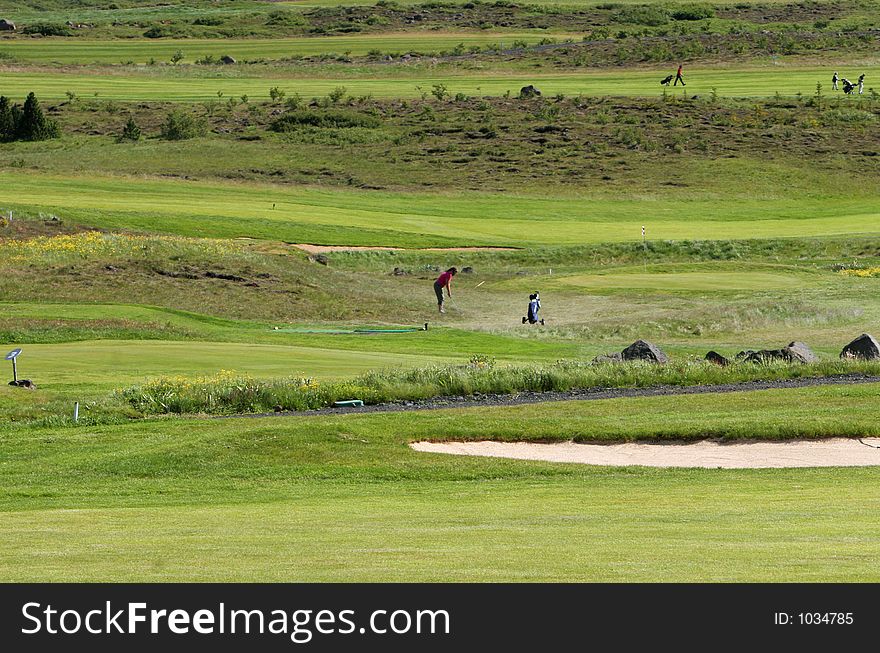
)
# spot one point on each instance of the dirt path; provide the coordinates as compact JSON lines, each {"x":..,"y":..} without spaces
{"x":835,"y":452}
{"x":586,"y":394}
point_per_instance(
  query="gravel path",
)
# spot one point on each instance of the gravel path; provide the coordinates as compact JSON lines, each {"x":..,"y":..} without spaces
{"x":588,"y":394}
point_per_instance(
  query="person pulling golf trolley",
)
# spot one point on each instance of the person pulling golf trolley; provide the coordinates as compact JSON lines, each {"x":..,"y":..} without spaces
{"x":532,"y":312}
{"x":442,"y":282}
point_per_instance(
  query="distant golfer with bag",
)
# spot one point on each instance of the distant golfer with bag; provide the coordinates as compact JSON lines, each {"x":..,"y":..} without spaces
{"x":532,"y":311}
{"x":442,"y":282}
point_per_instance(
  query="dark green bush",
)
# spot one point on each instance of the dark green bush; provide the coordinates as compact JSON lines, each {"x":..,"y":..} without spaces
{"x":334,"y":119}
{"x":47,"y":29}
{"x":692,"y":12}
{"x":131,"y":132}
{"x":641,"y":15}
{"x":180,"y":126}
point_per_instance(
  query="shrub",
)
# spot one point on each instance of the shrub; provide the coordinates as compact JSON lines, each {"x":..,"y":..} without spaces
{"x":336,"y":95}
{"x":47,"y":29}
{"x":331,"y":119}
{"x":284,"y":18}
{"x":131,"y":132}
{"x":157,"y":32}
{"x":439,"y":91}
{"x":180,"y":126}
{"x":642,"y":15}
{"x":276,"y":94}
{"x":692,"y":12}
{"x":844,"y":117}
{"x":208,"y":21}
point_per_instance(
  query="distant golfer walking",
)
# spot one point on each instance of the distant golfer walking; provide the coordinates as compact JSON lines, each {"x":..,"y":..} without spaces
{"x":678,"y":77}
{"x":834,"y":80}
{"x":442,"y":282}
{"x":861,"y":83}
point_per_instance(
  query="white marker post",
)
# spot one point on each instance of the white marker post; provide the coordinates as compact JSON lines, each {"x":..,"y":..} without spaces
{"x":645,"y":247}
{"x":76,"y":412}
{"x":11,"y":356}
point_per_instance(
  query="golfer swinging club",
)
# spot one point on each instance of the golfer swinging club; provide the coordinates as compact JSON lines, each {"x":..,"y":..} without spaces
{"x":442,"y":282}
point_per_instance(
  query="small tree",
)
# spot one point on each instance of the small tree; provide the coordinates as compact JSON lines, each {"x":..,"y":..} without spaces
{"x":131,"y":132}
{"x":180,"y":125}
{"x":177,"y":57}
{"x":337,"y":94}
{"x":276,"y":94}
{"x":33,"y":125}
{"x":7,"y":120}
{"x":439,"y":91}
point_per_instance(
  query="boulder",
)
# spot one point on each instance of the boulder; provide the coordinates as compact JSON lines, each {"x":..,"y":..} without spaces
{"x":529,"y":91}
{"x":794,"y":352}
{"x":321,"y":258}
{"x":865,"y":347}
{"x":467,"y":270}
{"x":6,"y":25}
{"x":24,"y":383}
{"x":227,"y":59}
{"x":718,"y":359}
{"x":800,"y":353}
{"x":644,"y":351}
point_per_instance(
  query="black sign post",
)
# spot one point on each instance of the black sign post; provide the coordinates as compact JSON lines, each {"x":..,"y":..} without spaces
{"x":11,"y":356}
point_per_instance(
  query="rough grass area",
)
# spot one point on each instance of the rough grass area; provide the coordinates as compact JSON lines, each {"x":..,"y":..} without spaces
{"x":228,"y":393}
{"x":652,"y":147}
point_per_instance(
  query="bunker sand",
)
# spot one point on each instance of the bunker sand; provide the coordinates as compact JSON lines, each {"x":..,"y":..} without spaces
{"x":834,"y":452}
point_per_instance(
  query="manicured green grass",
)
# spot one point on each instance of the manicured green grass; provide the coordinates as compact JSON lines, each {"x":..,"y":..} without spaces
{"x":342,"y":498}
{"x":196,"y":85}
{"x":107,"y":363}
{"x":423,"y":219}
{"x":81,"y":51}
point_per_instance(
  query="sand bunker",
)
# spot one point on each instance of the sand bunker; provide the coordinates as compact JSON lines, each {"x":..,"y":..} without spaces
{"x":836,"y":452}
{"x":324,"y":249}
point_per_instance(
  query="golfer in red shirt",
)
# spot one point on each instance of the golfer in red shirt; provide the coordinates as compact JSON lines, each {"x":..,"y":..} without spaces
{"x":442,"y":282}
{"x":678,"y":77}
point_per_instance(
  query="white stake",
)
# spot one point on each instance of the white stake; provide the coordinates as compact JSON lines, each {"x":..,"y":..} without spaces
{"x":76,"y":412}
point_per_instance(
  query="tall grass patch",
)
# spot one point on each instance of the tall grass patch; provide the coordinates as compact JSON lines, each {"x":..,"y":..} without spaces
{"x":228,"y":393}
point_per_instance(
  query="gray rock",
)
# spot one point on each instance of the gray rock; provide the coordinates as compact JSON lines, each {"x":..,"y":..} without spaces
{"x":6,"y":25}
{"x":321,"y":258}
{"x":644,"y":351}
{"x":800,"y":353}
{"x":529,"y":91}
{"x":467,"y":270}
{"x":608,"y":358}
{"x":718,"y":359}
{"x":865,"y":347}
{"x":794,"y":352}
{"x":227,"y":59}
